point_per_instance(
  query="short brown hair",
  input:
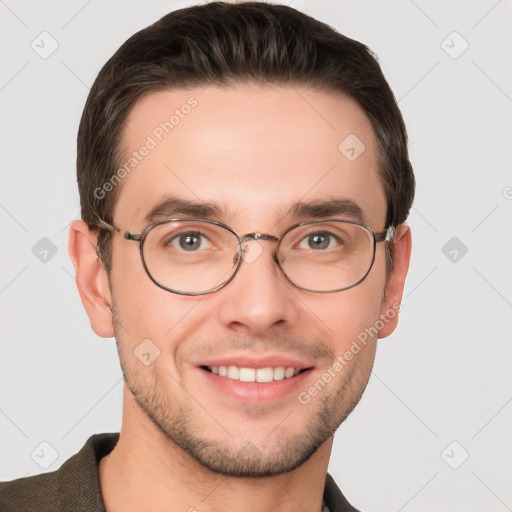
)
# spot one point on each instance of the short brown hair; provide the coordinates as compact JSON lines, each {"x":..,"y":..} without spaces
{"x":227,"y":44}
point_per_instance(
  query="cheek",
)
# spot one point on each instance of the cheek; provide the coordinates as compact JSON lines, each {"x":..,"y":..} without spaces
{"x":352,"y":313}
{"x":145,"y":311}
{"x":141,"y":307}
{"x":357,"y":312}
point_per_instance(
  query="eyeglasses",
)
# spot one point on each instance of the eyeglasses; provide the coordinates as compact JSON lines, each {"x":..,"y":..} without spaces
{"x":199,"y":256}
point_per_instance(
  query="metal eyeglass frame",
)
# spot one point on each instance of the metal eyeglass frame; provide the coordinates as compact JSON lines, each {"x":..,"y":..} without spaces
{"x":387,"y":235}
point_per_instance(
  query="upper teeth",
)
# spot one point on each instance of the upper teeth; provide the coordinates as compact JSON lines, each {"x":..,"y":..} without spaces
{"x":254,"y":374}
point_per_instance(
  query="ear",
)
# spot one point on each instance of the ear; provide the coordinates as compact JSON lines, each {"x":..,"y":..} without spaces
{"x":91,"y":278}
{"x":392,"y":300}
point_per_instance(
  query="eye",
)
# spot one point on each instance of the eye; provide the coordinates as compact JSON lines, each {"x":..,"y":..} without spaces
{"x":320,"y":240}
{"x":190,"y":241}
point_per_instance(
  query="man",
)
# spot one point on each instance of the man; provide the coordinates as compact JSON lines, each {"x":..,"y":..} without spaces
{"x":244,"y":183}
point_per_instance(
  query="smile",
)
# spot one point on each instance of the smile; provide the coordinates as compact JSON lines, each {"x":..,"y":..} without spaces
{"x":244,"y":374}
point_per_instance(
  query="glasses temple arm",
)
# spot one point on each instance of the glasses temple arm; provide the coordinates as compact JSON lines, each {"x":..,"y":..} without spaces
{"x":105,"y":225}
{"x":126,"y":234}
{"x":388,"y":235}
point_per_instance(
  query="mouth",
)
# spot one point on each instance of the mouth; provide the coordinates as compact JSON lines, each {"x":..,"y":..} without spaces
{"x":255,"y":378}
{"x":260,"y":375}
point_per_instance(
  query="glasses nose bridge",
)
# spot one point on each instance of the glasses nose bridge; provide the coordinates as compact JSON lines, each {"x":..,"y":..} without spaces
{"x":255,"y":236}
{"x":258,"y":236}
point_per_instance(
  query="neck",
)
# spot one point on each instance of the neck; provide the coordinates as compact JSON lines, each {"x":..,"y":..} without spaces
{"x":147,"y":471}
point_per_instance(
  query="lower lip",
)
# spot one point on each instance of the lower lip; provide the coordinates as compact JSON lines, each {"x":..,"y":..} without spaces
{"x":256,"y":392}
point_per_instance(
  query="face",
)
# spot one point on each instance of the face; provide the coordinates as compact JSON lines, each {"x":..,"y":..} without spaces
{"x":254,"y":153}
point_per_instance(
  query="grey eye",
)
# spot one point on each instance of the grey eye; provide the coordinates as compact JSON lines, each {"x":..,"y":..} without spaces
{"x":319,"y":240}
{"x":190,"y":241}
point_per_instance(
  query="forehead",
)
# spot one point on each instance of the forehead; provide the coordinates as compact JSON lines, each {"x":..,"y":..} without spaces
{"x":252,"y":150}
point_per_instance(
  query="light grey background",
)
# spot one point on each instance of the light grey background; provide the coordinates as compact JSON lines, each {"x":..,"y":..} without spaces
{"x":444,"y":375}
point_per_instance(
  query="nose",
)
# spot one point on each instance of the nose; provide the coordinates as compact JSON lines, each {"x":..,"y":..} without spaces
{"x":259,"y":299}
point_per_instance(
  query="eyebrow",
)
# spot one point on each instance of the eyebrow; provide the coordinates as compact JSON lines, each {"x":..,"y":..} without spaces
{"x":327,"y":208}
{"x":173,"y":206}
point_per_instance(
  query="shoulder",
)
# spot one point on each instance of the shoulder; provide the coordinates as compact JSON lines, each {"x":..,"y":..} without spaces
{"x":74,"y":486}
{"x":23,"y":493}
